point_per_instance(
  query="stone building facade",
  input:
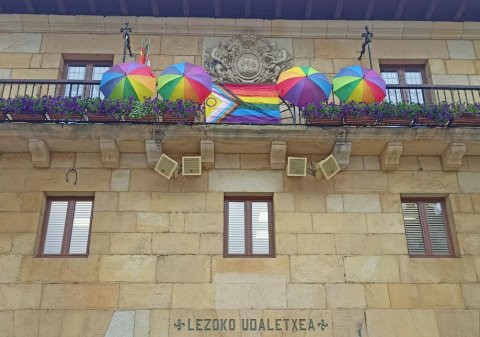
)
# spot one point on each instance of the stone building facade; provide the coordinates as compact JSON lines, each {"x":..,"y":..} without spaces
{"x":156,"y":257}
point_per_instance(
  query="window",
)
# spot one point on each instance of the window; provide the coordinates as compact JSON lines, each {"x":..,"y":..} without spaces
{"x":66,"y":227}
{"x":426,"y":227}
{"x":248,"y":227}
{"x":404,"y":75}
{"x":84,"y":71}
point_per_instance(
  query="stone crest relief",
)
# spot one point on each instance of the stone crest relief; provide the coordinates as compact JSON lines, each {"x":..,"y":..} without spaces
{"x":247,"y":58}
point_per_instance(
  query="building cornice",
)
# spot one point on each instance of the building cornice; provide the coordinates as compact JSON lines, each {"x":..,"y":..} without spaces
{"x":329,"y":29}
{"x":236,"y":138}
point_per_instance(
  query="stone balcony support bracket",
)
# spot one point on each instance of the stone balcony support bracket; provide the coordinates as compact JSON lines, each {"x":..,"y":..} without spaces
{"x":342,"y":151}
{"x":452,"y":156}
{"x":110,"y":153}
{"x":390,"y":157}
{"x":153,"y":148}
{"x":278,"y":153}
{"x":207,"y":152}
{"x":40,"y":153}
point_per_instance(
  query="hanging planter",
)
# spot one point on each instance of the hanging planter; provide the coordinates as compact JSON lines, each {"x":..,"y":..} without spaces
{"x":323,"y":114}
{"x":60,"y":117}
{"x":395,"y":121}
{"x":25,"y":117}
{"x":389,"y":114}
{"x":355,"y":119}
{"x":94,"y":117}
{"x":23,"y":109}
{"x":325,"y":121}
{"x":145,"y":112}
{"x":465,"y":115}
{"x":170,"y":117}
{"x":465,"y":121}
{"x":180,"y":111}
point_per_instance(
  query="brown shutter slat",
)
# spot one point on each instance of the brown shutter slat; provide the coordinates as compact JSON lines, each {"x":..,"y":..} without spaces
{"x":80,"y":227}
{"x":437,"y":229}
{"x":413,"y":229}
{"x":236,"y":227}
{"x":55,"y":227}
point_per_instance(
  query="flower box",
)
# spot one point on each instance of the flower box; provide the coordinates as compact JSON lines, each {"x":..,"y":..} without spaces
{"x":359,"y":120}
{"x":394,"y":121}
{"x":324,"y":114}
{"x":465,"y":121}
{"x":143,"y":119}
{"x":99,"y":118}
{"x":169,"y":117}
{"x":57,"y":117}
{"x":32,"y":117}
{"x":427,"y":121}
{"x":325,"y":121}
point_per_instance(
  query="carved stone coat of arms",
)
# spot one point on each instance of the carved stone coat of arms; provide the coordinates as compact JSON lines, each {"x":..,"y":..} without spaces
{"x":247,"y":58}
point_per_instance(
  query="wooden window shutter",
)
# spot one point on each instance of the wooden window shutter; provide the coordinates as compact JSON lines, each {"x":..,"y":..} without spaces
{"x":80,"y":227}
{"x":260,"y":228}
{"x":437,"y":229}
{"x":236,"y":227}
{"x":66,"y":228}
{"x":426,"y":228}
{"x":413,"y":229}
{"x":55,"y":227}
{"x":248,"y":227}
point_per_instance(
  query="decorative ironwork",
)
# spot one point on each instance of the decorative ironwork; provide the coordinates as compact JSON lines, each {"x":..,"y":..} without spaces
{"x":367,"y":38}
{"x":126,"y":40}
{"x":246,"y":58}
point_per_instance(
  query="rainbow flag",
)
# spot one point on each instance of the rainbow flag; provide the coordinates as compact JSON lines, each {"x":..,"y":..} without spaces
{"x":243,"y":103}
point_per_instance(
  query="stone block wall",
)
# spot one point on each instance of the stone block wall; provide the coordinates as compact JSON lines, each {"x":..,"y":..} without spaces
{"x":156,"y":245}
{"x":156,"y":251}
{"x":33,"y":46}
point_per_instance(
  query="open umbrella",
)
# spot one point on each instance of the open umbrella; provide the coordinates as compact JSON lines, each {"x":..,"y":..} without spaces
{"x":129,"y":79}
{"x":359,"y":84}
{"x":184,"y":81}
{"x":303,"y":85}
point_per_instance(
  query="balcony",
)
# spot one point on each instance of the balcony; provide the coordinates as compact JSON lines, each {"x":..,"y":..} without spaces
{"x":405,"y":105}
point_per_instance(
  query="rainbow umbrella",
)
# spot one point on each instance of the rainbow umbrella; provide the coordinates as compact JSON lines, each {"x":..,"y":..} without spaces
{"x":359,"y":84}
{"x":129,"y":79}
{"x":303,"y":85}
{"x":184,"y":81}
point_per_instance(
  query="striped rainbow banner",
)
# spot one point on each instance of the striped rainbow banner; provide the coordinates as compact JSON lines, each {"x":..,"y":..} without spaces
{"x":243,"y":103}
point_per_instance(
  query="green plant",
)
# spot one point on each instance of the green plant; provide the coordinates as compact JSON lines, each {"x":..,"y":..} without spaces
{"x":181,"y":111}
{"x":465,"y":110}
{"x":322,"y":110}
{"x":23,"y":106}
{"x":142,"y":110}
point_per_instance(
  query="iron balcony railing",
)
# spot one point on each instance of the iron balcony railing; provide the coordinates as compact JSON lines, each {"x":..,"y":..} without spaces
{"x":433,"y":94}
{"x":38,"y":88}
{"x":421,"y":94}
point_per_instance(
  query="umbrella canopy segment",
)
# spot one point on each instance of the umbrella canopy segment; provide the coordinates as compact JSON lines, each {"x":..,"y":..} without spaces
{"x":184,"y":81}
{"x":126,"y":80}
{"x":359,"y":84}
{"x":303,"y":85}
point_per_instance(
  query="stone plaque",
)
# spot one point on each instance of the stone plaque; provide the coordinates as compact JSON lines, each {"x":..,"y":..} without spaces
{"x":247,"y":58}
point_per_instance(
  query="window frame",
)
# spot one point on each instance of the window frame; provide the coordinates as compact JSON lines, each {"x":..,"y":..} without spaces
{"x":421,"y":201}
{"x":248,"y":226}
{"x":89,"y":66}
{"x":401,"y":69}
{"x":67,"y":234}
